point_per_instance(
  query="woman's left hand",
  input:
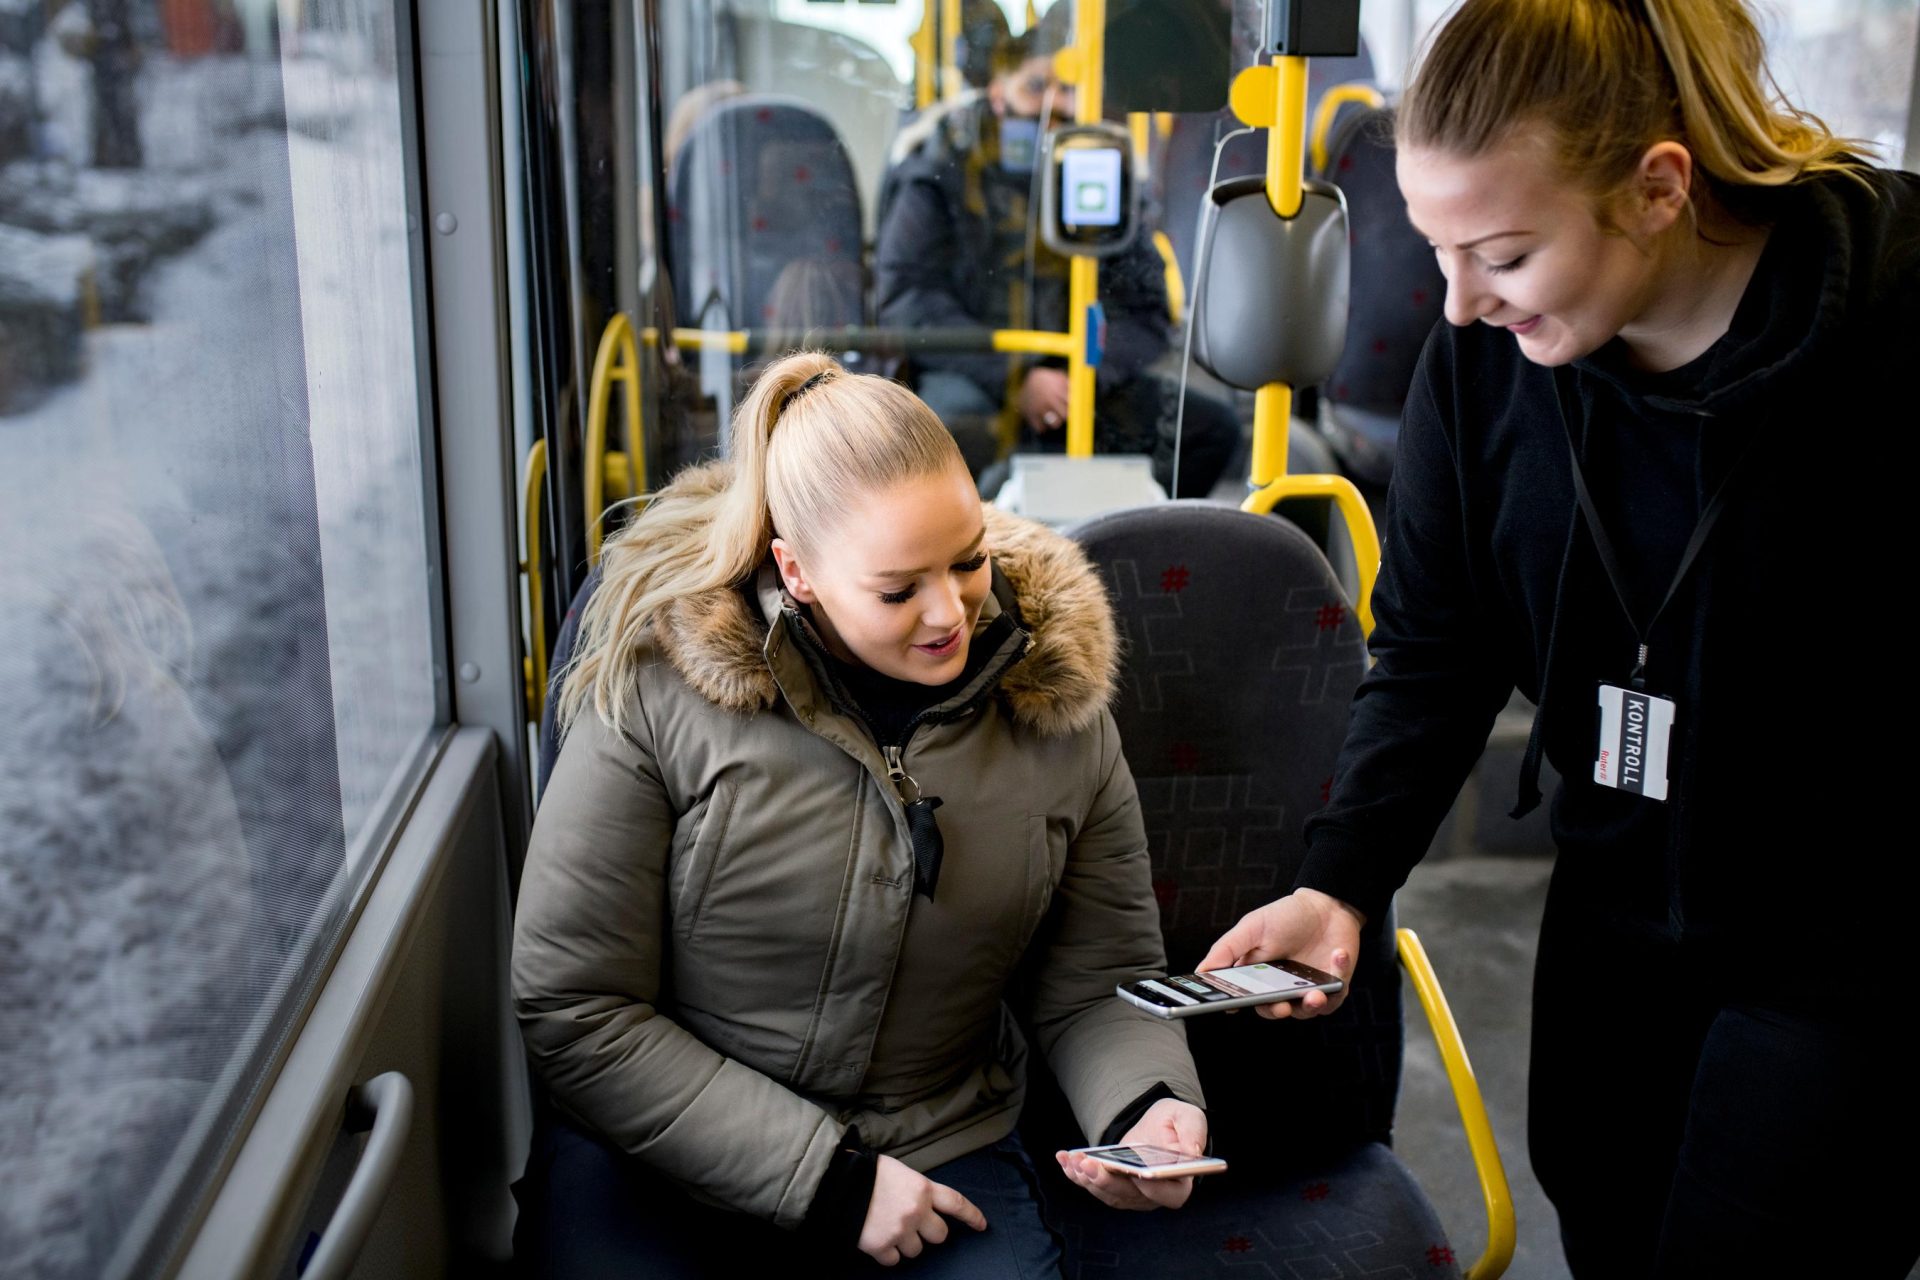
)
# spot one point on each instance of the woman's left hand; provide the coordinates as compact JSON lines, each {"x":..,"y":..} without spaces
{"x":1168,"y":1123}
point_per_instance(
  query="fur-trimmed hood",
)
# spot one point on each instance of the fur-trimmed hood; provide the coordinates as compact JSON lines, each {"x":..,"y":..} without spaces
{"x":717,"y":641}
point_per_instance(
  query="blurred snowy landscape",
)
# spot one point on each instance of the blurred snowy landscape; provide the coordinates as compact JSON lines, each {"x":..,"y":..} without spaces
{"x":214,"y":618}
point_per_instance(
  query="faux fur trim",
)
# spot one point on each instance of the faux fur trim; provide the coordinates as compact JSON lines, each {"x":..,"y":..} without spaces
{"x":716,"y":640}
{"x":1071,"y":670}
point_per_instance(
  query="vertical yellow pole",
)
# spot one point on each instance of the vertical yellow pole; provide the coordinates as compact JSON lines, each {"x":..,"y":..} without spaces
{"x":1286,"y":143}
{"x":952,"y":83}
{"x":1083,"y":279}
{"x":1286,"y":140}
{"x":925,"y":70}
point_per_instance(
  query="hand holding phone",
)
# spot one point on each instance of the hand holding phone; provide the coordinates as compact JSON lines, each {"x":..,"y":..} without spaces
{"x":1238,"y":987}
{"x":1177,"y":1127}
{"x":1144,"y":1160}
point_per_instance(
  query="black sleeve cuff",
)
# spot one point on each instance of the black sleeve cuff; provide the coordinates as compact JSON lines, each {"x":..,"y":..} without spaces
{"x":839,"y":1208}
{"x":1130,"y":1114}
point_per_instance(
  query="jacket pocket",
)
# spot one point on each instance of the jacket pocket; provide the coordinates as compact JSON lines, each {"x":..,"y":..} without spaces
{"x":700,"y":859}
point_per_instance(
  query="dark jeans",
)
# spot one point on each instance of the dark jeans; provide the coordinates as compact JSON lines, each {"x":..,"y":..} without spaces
{"x":1134,"y":417}
{"x":589,"y":1210}
{"x":1693,"y":1115}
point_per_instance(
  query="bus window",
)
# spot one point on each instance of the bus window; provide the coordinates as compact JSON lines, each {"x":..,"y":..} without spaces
{"x":216,"y":651}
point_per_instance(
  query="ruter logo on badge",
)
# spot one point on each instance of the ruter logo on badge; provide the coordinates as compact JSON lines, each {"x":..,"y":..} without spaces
{"x":1635,"y":729}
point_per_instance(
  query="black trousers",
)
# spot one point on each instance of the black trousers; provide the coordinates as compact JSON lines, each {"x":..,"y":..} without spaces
{"x":1701,"y":1113}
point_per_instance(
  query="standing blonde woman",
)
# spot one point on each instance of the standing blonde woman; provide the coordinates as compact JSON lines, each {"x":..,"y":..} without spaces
{"x":840,"y":797}
{"x":1673,"y":301}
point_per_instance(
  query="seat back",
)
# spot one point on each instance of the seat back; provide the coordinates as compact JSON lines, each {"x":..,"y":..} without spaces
{"x":1396,"y":296}
{"x":765,"y":219}
{"x":1241,"y":657}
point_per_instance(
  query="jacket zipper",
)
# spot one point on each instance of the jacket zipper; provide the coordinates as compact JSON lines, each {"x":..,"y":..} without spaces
{"x":903,"y":784}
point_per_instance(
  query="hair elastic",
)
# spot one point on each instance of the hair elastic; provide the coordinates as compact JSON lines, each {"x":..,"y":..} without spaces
{"x":805,"y":387}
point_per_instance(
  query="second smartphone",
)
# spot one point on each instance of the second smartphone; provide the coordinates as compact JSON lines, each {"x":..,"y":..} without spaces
{"x":1235,"y":988}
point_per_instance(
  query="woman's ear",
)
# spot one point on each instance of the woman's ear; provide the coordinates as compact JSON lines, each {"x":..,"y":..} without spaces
{"x":1663,"y":186}
{"x":791,"y":573}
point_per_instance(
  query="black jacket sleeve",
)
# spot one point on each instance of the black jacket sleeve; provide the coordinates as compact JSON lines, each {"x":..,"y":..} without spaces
{"x":1440,"y":675}
{"x":916,"y":254}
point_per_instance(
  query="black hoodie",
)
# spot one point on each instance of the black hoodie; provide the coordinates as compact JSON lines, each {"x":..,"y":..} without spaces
{"x":1788,"y":740}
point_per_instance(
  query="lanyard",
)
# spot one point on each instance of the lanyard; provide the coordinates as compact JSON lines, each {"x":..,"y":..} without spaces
{"x":1702,"y":530}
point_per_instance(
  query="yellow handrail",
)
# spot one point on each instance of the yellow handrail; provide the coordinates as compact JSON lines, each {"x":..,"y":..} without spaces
{"x":616,"y":359}
{"x":533,"y":494}
{"x":1034,"y":342}
{"x":1330,"y":103}
{"x":1083,"y":65}
{"x":1353,"y":507}
{"x":1473,"y":1110}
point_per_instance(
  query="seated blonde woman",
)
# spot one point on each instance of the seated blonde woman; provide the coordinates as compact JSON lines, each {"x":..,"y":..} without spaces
{"x":840,"y":810}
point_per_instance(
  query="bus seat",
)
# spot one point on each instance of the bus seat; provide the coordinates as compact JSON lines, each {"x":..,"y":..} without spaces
{"x":1232,"y":718}
{"x":764,"y":188}
{"x":1395,"y":297}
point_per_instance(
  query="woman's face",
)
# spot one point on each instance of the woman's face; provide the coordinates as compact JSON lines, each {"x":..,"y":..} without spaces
{"x":898,"y":582}
{"x":1524,"y":251}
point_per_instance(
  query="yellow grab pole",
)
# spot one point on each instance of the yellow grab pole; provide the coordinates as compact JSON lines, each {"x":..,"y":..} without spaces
{"x":1272,"y":407}
{"x":1088,"y":65}
{"x":952,"y":84}
{"x":1276,"y":98}
{"x":925,"y":69}
{"x":1286,"y":138}
{"x":530,"y":509}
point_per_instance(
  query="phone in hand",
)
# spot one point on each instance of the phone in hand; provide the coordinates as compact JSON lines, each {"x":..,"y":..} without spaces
{"x":1235,"y":988}
{"x":1143,"y":1160}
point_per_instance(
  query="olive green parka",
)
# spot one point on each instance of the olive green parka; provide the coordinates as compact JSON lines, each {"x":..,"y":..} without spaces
{"x":720,"y":961}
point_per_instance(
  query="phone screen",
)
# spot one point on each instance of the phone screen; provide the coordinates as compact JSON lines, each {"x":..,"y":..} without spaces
{"x":1230,"y":984}
{"x":1142,"y":1156}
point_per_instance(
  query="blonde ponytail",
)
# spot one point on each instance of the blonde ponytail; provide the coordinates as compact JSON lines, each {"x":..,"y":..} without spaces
{"x":1608,"y":79}
{"x":808,"y":440}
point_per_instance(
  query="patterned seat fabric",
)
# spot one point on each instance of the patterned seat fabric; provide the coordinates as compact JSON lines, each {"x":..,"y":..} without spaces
{"x":1357,"y":1214}
{"x":1242,"y":655}
{"x":765,"y":219}
{"x":1396,"y":299}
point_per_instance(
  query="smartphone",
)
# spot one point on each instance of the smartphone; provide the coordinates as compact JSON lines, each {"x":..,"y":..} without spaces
{"x":1143,"y":1161}
{"x":1235,"y":988}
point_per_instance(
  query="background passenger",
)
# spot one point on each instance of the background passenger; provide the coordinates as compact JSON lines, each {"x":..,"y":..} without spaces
{"x":1656,"y":267}
{"x":841,"y":796}
{"x":958,"y":247}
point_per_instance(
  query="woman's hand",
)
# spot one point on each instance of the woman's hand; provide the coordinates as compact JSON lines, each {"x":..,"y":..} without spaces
{"x":1306,"y":925}
{"x":903,"y":1217}
{"x":1043,"y":398}
{"x":1168,"y":1123}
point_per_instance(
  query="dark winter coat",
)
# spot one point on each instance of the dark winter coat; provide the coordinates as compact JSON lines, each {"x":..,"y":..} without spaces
{"x":954,"y":247}
{"x":1784,"y":786}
